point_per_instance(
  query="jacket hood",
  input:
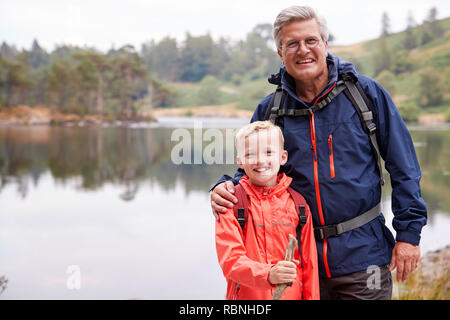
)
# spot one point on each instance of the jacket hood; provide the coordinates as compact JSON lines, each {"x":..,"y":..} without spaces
{"x":336,"y":66}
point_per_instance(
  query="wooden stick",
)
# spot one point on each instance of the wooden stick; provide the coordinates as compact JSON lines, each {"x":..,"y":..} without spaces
{"x":288,"y":256}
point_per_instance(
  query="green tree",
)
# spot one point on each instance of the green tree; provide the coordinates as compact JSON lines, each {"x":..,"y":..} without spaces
{"x":162,"y":58}
{"x":431,"y":29}
{"x":386,"y":79}
{"x":62,"y":85}
{"x":433,"y":23}
{"x":209,"y":93}
{"x":128,"y":79}
{"x":14,"y":81}
{"x":8,"y":52}
{"x":383,"y":56}
{"x":93,"y":66}
{"x":409,"y":111}
{"x":410,"y":41}
{"x":402,"y":62}
{"x":38,"y":56}
{"x":431,"y":88}
{"x":385,"y":24}
{"x":196,"y":57}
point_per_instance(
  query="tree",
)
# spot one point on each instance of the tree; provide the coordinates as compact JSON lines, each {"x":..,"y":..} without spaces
{"x":128,"y":79}
{"x":38,"y":56}
{"x":431,"y":88}
{"x":209,"y":93}
{"x":409,"y":111}
{"x":195,"y":57}
{"x":410,"y":41}
{"x":383,"y":56}
{"x":431,"y":28}
{"x":402,"y":62}
{"x":93,"y":67}
{"x":62,"y":84}
{"x":8,"y":52}
{"x":433,"y":23}
{"x":386,"y":79}
{"x":88,"y":83}
{"x":385,"y":24}
{"x":14,"y":80}
{"x":162,"y":58}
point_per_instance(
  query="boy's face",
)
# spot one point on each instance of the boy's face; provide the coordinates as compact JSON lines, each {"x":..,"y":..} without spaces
{"x":261,"y":157}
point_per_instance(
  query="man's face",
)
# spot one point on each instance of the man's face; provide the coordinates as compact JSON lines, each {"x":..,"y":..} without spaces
{"x":261,"y":157}
{"x":304,"y":64}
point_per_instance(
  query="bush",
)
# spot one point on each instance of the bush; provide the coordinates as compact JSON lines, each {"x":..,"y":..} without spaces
{"x":431,"y":88}
{"x":409,"y":111}
{"x":447,"y":116}
{"x":209,"y":93}
{"x":402,"y":62}
{"x":386,"y":79}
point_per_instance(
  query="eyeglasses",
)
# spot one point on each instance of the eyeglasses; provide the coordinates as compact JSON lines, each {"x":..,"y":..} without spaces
{"x":293,"y":45}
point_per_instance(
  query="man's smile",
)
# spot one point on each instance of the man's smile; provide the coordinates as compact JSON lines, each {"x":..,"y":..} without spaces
{"x":304,"y":61}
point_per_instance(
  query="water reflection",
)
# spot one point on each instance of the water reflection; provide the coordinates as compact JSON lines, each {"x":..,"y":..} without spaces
{"x":111,"y":201}
{"x":129,"y":157}
{"x":124,"y":156}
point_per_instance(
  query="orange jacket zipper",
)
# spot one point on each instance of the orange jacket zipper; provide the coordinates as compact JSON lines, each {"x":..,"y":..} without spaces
{"x":316,"y":182}
{"x":316,"y":185}
{"x":330,"y":152}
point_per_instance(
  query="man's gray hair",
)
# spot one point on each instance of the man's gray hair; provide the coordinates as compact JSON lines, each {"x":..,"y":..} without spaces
{"x":298,"y":13}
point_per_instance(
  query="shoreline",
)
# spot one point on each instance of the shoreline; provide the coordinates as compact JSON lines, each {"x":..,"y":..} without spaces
{"x":23,"y":115}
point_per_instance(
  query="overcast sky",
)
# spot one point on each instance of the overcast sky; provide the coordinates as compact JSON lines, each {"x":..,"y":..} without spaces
{"x":106,"y":23}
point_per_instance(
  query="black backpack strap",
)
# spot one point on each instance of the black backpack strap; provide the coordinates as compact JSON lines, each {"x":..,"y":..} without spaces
{"x":300,"y":207}
{"x":275,"y":110}
{"x":359,"y":100}
{"x":275,"y":104}
{"x":241,"y":207}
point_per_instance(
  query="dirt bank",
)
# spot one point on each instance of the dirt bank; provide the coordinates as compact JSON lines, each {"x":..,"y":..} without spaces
{"x":42,"y":115}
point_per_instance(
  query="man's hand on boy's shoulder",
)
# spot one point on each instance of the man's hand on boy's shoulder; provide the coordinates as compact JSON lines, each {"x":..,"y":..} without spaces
{"x":222,"y":197}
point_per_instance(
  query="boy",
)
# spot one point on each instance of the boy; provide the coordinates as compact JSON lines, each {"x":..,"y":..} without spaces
{"x":252,"y":258}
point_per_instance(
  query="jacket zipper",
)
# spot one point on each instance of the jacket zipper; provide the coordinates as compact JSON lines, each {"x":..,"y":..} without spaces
{"x":316,"y":182}
{"x":236,"y":291}
{"x":316,"y":185}
{"x":330,"y":152}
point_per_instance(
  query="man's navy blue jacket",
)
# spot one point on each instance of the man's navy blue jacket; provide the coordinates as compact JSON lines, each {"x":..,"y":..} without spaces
{"x":333,"y":166}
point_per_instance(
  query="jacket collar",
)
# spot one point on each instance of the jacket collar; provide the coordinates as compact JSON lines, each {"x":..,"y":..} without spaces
{"x":283,"y":182}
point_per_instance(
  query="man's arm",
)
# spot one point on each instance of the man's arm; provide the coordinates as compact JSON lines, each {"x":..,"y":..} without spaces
{"x":397,"y":149}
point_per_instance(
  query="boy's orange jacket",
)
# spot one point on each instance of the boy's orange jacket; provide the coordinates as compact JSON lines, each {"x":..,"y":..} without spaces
{"x":246,"y":259}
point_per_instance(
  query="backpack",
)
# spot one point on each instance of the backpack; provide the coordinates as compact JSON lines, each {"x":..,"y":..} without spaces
{"x":348,"y":84}
{"x":241,"y":211}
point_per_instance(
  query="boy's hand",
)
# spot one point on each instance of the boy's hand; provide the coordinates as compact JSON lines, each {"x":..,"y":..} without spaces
{"x":222,"y":197}
{"x":283,"y":272}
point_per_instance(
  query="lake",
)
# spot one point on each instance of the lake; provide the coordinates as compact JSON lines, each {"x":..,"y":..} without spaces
{"x":105,"y":212}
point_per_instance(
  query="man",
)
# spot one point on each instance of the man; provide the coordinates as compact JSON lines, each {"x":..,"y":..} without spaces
{"x":333,"y":165}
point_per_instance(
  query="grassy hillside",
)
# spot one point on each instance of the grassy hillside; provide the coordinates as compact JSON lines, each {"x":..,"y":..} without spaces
{"x":404,"y":85}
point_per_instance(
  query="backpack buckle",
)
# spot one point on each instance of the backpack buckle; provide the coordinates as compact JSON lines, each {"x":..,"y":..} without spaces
{"x":326,"y":232}
{"x":372,"y":127}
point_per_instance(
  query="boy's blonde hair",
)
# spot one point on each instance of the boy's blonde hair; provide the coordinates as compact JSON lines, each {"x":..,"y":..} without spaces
{"x":257,"y":126}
